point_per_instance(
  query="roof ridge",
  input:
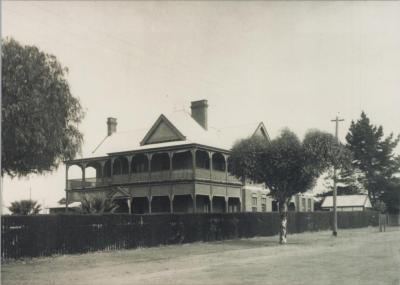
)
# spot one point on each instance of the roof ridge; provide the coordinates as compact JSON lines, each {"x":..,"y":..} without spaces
{"x":240,"y":125}
{"x":183,"y":110}
{"x":130,"y":130}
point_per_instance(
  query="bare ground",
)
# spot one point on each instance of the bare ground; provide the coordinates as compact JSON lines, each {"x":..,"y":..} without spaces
{"x":358,"y":256}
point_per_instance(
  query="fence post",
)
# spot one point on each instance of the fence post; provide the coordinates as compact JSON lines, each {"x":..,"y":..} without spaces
{"x":382,"y":222}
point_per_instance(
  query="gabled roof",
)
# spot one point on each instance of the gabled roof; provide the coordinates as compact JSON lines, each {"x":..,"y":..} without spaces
{"x":119,"y":192}
{"x":347,"y":201}
{"x":162,"y":131}
{"x":178,"y":128}
{"x":231,"y":134}
{"x":262,"y":131}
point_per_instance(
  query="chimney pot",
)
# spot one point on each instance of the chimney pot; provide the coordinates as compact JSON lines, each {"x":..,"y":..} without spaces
{"x":111,"y":126}
{"x":200,"y":113}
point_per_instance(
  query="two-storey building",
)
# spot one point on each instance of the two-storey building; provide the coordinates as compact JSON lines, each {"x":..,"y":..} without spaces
{"x":179,"y":164}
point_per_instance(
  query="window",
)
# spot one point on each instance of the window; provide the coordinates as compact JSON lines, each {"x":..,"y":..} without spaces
{"x":309,"y":205}
{"x":303,"y":204}
{"x":263,"y":204}
{"x":254,"y":204}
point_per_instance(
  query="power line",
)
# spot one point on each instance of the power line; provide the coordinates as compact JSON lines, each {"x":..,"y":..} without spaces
{"x":162,"y":67}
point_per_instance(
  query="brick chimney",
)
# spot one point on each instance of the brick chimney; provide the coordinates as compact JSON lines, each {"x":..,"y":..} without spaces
{"x":199,"y":112}
{"x":111,"y":126}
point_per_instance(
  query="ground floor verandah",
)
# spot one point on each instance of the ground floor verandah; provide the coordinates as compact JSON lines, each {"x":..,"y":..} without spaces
{"x":168,"y":198}
{"x":177,"y":204}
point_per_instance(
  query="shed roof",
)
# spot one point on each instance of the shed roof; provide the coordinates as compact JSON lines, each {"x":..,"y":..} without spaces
{"x":70,"y":205}
{"x":347,"y":201}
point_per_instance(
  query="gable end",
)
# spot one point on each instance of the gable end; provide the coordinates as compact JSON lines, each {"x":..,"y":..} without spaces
{"x":261,"y":131}
{"x":162,"y":131}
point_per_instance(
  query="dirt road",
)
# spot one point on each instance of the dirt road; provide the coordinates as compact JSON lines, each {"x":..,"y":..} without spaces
{"x":361,"y":256}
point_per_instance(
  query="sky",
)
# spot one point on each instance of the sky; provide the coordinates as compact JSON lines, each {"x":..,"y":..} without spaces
{"x":289,"y":64}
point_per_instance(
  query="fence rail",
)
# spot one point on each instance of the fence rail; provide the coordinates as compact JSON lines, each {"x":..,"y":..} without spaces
{"x":30,"y":236}
{"x":393,"y":220}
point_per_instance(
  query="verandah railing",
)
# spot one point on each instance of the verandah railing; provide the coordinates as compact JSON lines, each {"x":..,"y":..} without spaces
{"x":165,"y":175}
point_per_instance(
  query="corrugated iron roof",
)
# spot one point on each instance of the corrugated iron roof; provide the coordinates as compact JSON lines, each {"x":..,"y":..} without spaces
{"x":222,"y":138}
{"x":346,"y":201}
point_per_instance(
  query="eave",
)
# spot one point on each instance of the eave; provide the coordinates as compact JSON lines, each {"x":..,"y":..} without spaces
{"x":148,"y":150}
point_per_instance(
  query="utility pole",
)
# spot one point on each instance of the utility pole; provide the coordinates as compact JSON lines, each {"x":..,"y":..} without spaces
{"x":336,"y":120}
{"x":1,"y":195}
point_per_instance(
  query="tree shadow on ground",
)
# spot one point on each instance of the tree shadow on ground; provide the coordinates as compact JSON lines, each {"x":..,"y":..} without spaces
{"x":249,"y":243}
{"x":260,"y":242}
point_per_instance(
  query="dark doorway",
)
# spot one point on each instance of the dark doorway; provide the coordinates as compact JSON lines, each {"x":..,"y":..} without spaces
{"x":218,"y":204}
{"x":140,"y":205}
{"x":160,"y":204}
{"x":233,"y":205}
{"x":183,"y":204}
{"x":203,"y":204}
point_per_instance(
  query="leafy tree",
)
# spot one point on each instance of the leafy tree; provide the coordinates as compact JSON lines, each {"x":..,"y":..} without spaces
{"x":347,"y":178}
{"x":39,"y":114}
{"x":97,"y":204}
{"x":390,"y":198}
{"x":25,"y":207}
{"x":325,"y":151}
{"x":286,"y":165}
{"x":381,"y":206}
{"x":348,"y":181}
{"x":244,"y":158}
{"x":341,"y":190}
{"x":373,"y":156}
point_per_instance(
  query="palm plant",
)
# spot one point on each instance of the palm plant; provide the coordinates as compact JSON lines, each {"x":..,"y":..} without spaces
{"x":97,"y":204}
{"x":25,"y":207}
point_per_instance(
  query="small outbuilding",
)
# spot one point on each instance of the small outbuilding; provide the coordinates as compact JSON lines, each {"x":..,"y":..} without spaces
{"x":347,"y":203}
{"x":74,"y":207}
